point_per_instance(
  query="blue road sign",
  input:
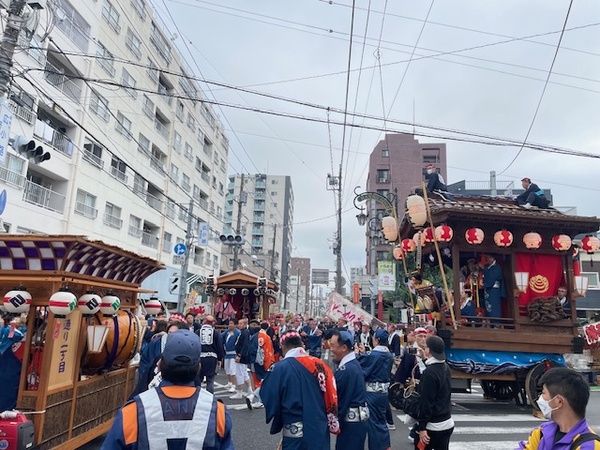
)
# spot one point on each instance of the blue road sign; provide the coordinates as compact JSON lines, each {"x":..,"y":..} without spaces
{"x":180,"y":249}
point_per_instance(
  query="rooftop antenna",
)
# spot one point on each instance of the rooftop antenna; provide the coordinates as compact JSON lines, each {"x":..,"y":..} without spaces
{"x":413,"y":116}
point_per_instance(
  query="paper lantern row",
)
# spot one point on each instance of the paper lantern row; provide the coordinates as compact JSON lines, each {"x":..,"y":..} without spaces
{"x":63,"y":303}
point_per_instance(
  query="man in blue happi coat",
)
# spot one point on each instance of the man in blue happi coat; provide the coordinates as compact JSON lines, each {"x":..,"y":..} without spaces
{"x":352,"y":394}
{"x":377,"y":366}
{"x":300,"y":398}
{"x":493,"y":285}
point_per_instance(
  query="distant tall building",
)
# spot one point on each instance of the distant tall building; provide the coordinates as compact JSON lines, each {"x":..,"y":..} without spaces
{"x":263,"y":206}
{"x":396,"y":166}
{"x":301,"y":268}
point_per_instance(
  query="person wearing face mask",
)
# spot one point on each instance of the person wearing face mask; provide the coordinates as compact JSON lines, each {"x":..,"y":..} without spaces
{"x":435,"y":182}
{"x":564,"y":398}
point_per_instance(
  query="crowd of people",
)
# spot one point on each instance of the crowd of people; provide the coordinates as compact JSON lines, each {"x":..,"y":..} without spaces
{"x":313,"y":378}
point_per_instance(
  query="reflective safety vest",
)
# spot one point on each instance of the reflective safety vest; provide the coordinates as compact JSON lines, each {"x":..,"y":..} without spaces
{"x":162,"y":418}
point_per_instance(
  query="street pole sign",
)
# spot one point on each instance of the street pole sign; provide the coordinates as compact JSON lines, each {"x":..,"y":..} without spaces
{"x":180,"y":249}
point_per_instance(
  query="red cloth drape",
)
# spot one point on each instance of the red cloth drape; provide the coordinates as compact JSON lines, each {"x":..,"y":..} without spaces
{"x":545,"y":275}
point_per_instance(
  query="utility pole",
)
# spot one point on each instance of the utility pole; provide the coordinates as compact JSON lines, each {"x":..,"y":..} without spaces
{"x":186,"y":259}
{"x":236,"y":248}
{"x":10,"y":37}
{"x":297,"y":287}
{"x":273,"y":251}
{"x":338,"y":261}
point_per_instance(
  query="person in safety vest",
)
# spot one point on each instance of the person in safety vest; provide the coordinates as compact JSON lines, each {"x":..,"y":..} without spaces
{"x":176,"y":415}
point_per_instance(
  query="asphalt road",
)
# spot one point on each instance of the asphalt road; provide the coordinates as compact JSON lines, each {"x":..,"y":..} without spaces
{"x":480,"y":424}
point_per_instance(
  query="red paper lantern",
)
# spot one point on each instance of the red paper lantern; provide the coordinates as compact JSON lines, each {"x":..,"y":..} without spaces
{"x":590,"y":244}
{"x":532,"y":240}
{"x":408,"y":245}
{"x":561,"y":242}
{"x":428,"y":235}
{"x":17,"y":301}
{"x":89,"y":303}
{"x":474,"y":236}
{"x":62,"y":303}
{"x":444,"y":233}
{"x":503,"y":238}
{"x":398,"y":252}
{"x":153,"y":306}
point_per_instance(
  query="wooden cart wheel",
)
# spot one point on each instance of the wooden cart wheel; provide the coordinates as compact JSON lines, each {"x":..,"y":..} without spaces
{"x":500,"y":389}
{"x":532,"y":389}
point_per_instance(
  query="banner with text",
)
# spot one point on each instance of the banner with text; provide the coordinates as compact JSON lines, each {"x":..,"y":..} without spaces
{"x":338,"y":307}
{"x":386,"y":275}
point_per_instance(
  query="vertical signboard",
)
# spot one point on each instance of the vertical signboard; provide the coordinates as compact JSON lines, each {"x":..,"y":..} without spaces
{"x":5,"y":123}
{"x":203,"y":234}
{"x":386,"y":278}
{"x":64,"y":350}
{"x":356,"y":292}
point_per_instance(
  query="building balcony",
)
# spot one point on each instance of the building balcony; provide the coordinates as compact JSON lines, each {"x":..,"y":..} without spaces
{"x":205,"y":177}
{"x":260,"y":196}
{"x":260,"y":184}
{"x":93,"y":159}
{"x":12,"y":178}
{"x":43,"y":197}
{"x":134,"y":231}
{"x":157,"y":165}
{"x":154,"y":202}
{"x":203,"y":204}
{"x":149,"y":240}
{"x":167,"y":247}
{"x":260,"y":207}
{"x":63,"y":83}
{"x":258,"y":230}
{"x":258,"y":218}
{"x":113,"y":221}
{"x":86,"y":210}
{"x":22,"y":112}
{"x":198,"y":259}
{"x":162,"y":129}
{"x":54,"y":138}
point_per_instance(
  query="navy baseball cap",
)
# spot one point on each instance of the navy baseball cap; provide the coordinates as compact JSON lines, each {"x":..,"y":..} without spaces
{"x":382,"y":335}
{"x":183,"y":348}
{"x":346,"y":338}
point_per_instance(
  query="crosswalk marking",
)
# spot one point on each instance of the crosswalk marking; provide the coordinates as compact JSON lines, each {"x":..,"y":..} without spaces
{"x":483,"y":445}
{"x":489,"y":418}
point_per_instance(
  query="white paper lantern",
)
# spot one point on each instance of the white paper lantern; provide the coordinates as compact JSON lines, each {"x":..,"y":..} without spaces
{"x":89,"y":303}
{"x":153,"y":306}
{"x":62,"y":303}
{"x":17,"y":301}
{"x":110,"y":305}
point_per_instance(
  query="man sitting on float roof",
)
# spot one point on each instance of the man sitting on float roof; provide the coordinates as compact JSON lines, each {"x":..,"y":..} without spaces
{"x":533,"y":195}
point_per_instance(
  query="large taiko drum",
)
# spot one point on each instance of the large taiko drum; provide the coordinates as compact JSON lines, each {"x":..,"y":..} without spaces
{"x":122,"y":342}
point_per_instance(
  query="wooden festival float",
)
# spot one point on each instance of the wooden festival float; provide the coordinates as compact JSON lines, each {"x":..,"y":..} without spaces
{"x":82,"y":331}
{"x":250,"y":295}
{"x":534,"y":249}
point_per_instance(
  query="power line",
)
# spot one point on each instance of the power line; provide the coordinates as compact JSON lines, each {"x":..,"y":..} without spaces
{"x":537,"y":108}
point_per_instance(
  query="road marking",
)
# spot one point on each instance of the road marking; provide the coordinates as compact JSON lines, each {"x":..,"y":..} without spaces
{"x":493,"y":430}
{"x":489,"y":418}
{"x":482,"y":445}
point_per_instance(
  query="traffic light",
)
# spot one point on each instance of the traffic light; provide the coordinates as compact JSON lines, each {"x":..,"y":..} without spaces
{"x":174,"y":284}
{"x":210,"y":285}
{"x":28,"y":148}
{"x":231,"y":239}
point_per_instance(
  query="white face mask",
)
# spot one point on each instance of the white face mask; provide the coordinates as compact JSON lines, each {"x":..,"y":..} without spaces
{"x":429,"y":171}
{"x":545,"y":408}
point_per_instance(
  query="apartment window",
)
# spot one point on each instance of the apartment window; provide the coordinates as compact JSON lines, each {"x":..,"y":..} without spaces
{"x":385,"y":153}
{"x":383,"y":192}
{"x":139,"y":186}
{"x":180,"y":111}
{"x":196,"y":193}
{"x":191,"y":122}
{"x":92,"y":153}
{"x":189,"y":152}
{"x":85,"y":204}
{"x":99,"y":105}
{"x":160,"y":44}
{"x":152,"y":70}
{"x":185,"y":182}
{"x":111,"y":16}
{"x":129,"y":82}
{"x":219,"y":212}
{"x":383,"y":176}
{"x":273,"y":193}
{"x":112,"y":216}
{"x":215,"y":262}
{"x":170,"y":210}
{"x":198,"y":165}
{"x":33,"y":48}
{"x":124,"y":126}
{"x":118,"y":169}
{"x":430,"y":159}
{"x":73,"y":25}
{"x":274,"y":181}
{"x":135,"y":226}
{"x":273,"y":205}
{"x":140,"y":8}
{"x":176,"y":142}
{"x":143,"y":144}
{"x":133,"y":43}
{"x":148,"y":106}
{"x":106,"y":59}
{"x":175,"y":173}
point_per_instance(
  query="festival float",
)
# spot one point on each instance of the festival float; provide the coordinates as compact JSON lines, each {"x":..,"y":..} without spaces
{"x":77,"y":301}
{"x":534,"y":250}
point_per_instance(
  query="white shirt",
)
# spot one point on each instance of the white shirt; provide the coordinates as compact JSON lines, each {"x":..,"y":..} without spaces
{"x":295,"y":352}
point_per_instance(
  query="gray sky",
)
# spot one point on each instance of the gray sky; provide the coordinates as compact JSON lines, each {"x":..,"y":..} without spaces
{"x":490,"y":84}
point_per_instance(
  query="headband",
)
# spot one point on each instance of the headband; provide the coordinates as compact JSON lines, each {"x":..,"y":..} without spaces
{"x":288,"y":335}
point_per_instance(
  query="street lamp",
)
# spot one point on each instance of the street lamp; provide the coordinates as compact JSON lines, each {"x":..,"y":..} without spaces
{"x":361,"y":217}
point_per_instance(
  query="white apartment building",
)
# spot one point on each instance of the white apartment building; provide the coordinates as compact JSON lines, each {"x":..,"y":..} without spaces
{"x":266,"y":223}
{"x":131,"y":140}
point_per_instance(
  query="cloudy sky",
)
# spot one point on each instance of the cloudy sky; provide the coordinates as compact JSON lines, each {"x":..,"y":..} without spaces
{"x":471,"y":66}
